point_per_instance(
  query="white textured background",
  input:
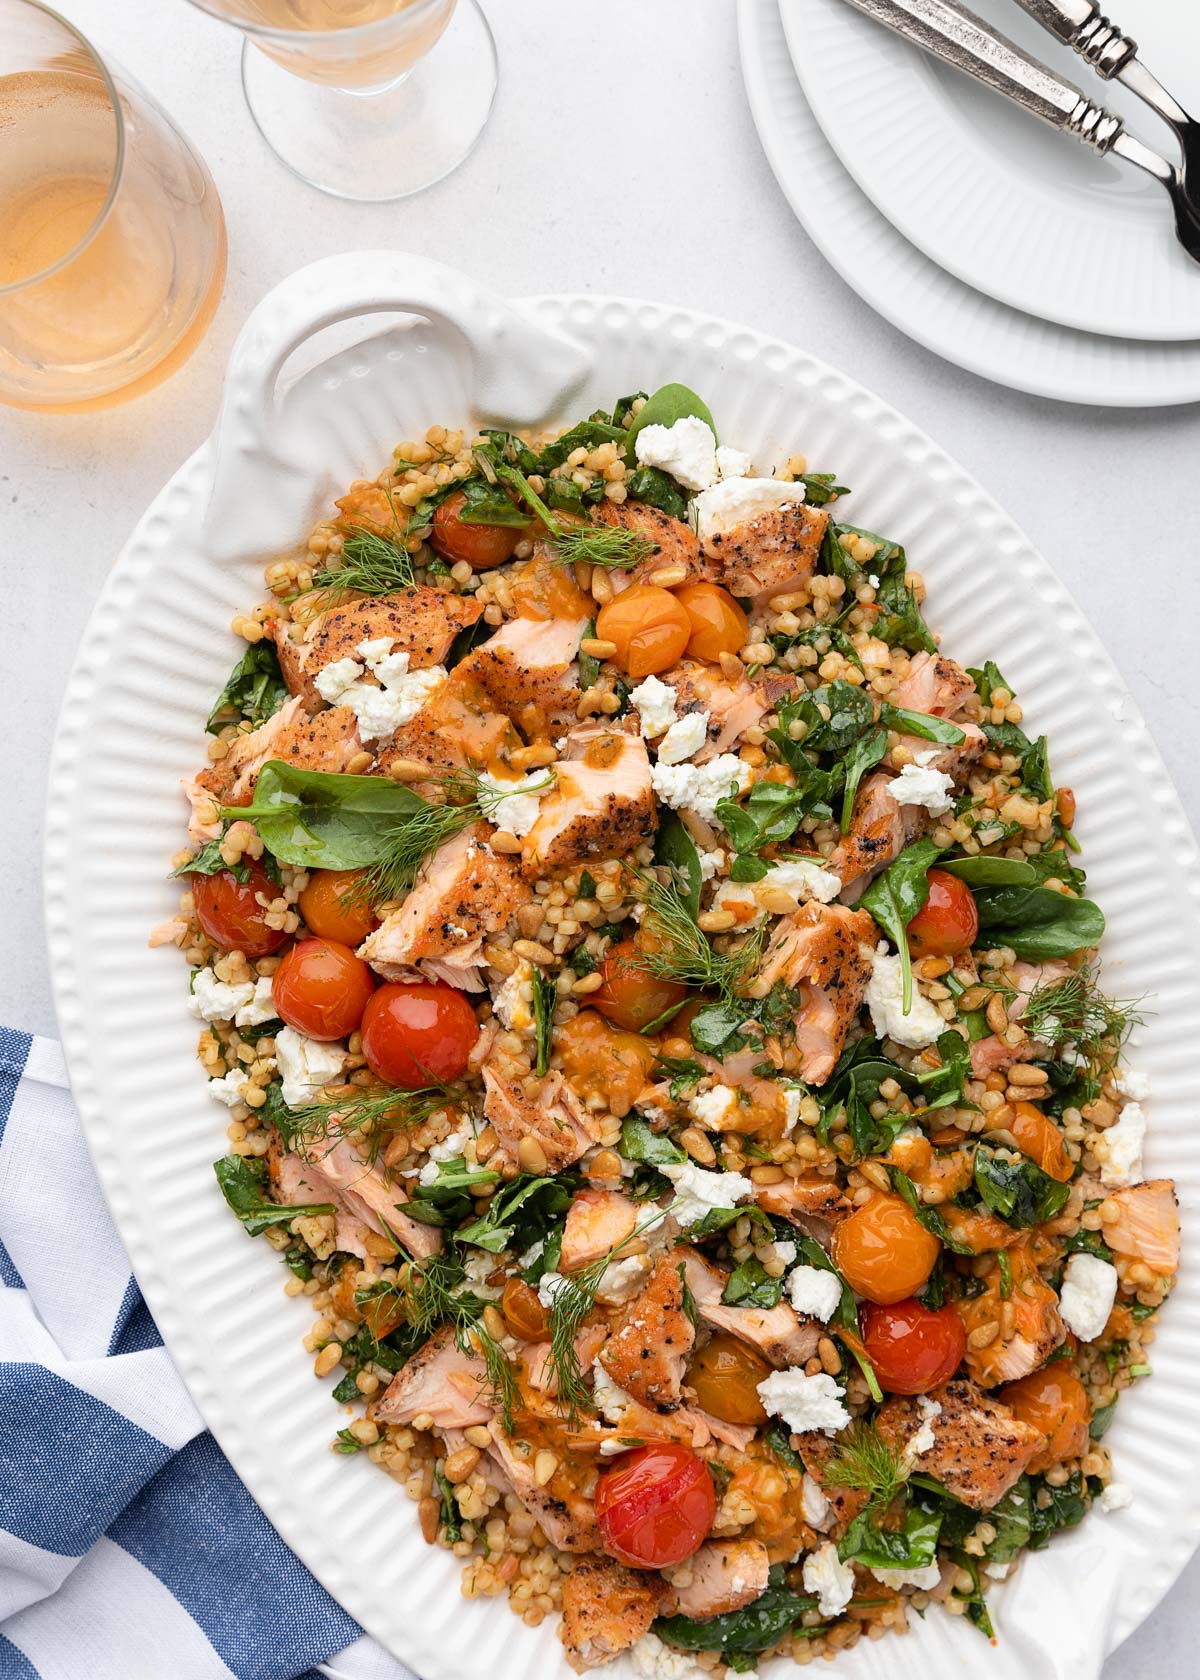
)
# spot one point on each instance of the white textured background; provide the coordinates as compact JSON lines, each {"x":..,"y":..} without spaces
{"x":620,"y":158}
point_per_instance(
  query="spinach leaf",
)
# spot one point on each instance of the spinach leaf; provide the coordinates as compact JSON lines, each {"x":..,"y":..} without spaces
{"x":1054,"y":1508}
{"x":921,"y":724}
{"x":657,"y":489}
{"x":318,"y":820}
{"x":524,"y":1207}
{"x":822,"y":637}
{"x":822,"y":487}
{"x":244,"y":1184}
{"x":588,"y":434}
{"x":771,"y":814}
{"x":622,"y":413}
{"x":988,"y":678}
{"x":851,"y":712}
{"x":563,"y":495}
{"x":545,"y":999}
{"x":714,"y":1028}
{"x":675,"y":847}
{"x":208,"y":861}
{"x":1007,"y":872}
{"x":447,"y":1201}
{"x":1018,"y":1191}
{"x":864,"y":755}
{"x":1011,"y":1517}
{"x":1038,"y":923}
{"x":942,"y":1087}
{"x":255,"y":689}
{"x":721,"y":1218}
{"x":895,"y":896}
{"x":589,"y":666}
{"x":755,"y":1628}
{"x":668,"y":404}
{"x":750,"y":1285}
{"x":977,"y":1610}
{"x":680,"y":1070}
{"x":778,"y":1438}
{"x":1101,"y":1420}
{"x":486,"y":504}
{"x":912,"y":1546}
{"x":654,"y":1149}
{"x":899,"y":622}
{"x":846,"y":1315}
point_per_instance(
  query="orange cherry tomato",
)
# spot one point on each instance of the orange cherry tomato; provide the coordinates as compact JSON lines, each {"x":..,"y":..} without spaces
{"x":718,"y":624}
{"x":648,"y":625}
{"x":481,"y":546}
{"x":883,"y":1251}
{"x":655,"y":1505}
{"x":913,"y":1154}
{"x":725,"y":1375}
{"x":418,"y":1035}
{"x":330,"y":912}
{"x":1036,"y":1135}
{"x":912,"y":1349}
{"x":321,"y":989}
{"x":230,"y":914}
{"x":628,"y":995}
{"x":521,"y":1310}
{"x":1054,"y":1401}
{"x":947,"y":922}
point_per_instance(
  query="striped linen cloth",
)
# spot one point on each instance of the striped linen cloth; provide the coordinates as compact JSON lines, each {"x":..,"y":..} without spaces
{"x":129,"y":1549}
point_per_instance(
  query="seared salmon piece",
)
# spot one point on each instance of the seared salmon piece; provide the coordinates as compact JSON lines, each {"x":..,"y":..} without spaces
{"x":566,"y":1516}
{"x":776,"y":1332}
{"x":816,"y":1449}
{"x":458,"y":728}
{"x":769,"y":556}
{"x":326,"y":742}
{"x":723,"y":1575}
{"x":421,"y":622}
{"x":549,"y":1112}
{"x":292,"y":1186}
{"x":601,"y":806}
{"x":813,"y":1203}
{"x":248,"y":753}
{"x":606,"y":1608}
{"x":935,"y":685}
{"x":529,"y":668}
{"x":647,"y":1350}
{"x":979,"y":1449}
{"x":597,"y":1220}
{"x":366,"y":1193}
{"x":464,"y":891}
{"x":1037,"y":1328}
{"x":880,"y":828}
{"x":732,"y":707}
{"x":819,"y":951}
{"x":1148,"y":1226}
{"x":441,"y":1380}
{"x":993,"y":1055}
{"x":676,"y":544}
{"x":534,"y":1357}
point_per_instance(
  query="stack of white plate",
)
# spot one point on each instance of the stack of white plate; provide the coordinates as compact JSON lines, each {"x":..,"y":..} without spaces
{"x":1005,"y":247}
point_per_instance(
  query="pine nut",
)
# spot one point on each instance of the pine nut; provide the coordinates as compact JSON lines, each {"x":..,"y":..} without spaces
{"x":775,"y":901}
{"x":588,"y":983}
{"x":698,"y":1146}
{"x":731,"y":666}
{"x":493,"y":1323}
{"x":984,"y":1335}
{"x":596,"y":647}
{"x":544,"y":1465}
{"x":532,"y":951}
{"x":407,"y":770}
{"x":479,"y":1435}
{"x":668,"y":577}
{"x":605,"y":1164}
{"x":531,"y":1156}
{"x":532,"y":758}
{"x":1021,"y":1073}
{"x":359,"y":764}
{"x":997,"y":1013}
{"x":768,"y":1173}
{"x":460,"y":1464}
{"x":427,"y":1516}
{"x":972,"y":999}
{"x":715,"y":921}
{"x":829,"y":1356}
{"x":875,"y":1174}
{"x":504,"y":840}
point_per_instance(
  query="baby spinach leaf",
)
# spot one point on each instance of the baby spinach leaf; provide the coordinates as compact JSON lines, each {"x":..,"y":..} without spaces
{"x":770,"y":815}
{"x":822,"y":637}
{"x":563,"y":495}
{"x":751,"y":1285}
{"x":864,"y":755}
{"x":451,"y":1522}
{"x":208,"y":861}
{"x":255,"y":689}
{"x":522,"y":1208}
{"x":1037,"y":922}
{"x":894,"y":898}
{"x":1014,"y":872}
{"x":486,"y":504}
{"x":922,"y":724}
{"x":778,"y":1438}
{"x":447,"y":1201}
{"x":822,"y":487}
{"x":721,"y":1218}
{"x":976,"y":1610}
{"x":675,"y":847}
{"x":545,"y":998}
{"x":942,"y":1087}
{"x":714,"y":1028}
{"x":1064,"y":1507}
{"x":318,"y":820}
{"x":1011,"y":1517}
{"x":668,"y":404}
{"x":1035,"y":770}
{"x":589,"y":667}
{"x":681,"y":1071}
{"x":755,"y":1628}
{"x":588,"y":434}
{"x":653,"y":1149}
{"x":657,"y":489}
{"x":851,"y":712}
{"x":622,"y":412}
{"x":898,"y":622}
{"x":1018,"y":1191}
{"x":912,"y":1546}
{"x":244,"y":1183}
{"x":988,"y":678}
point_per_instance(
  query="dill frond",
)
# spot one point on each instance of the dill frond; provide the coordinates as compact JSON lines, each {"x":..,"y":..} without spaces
{"x":405,"y":849}
{"x":598,"y":545}
{"x":365,"y":1117}
{"x":573,"y":1300}
{"x":370,"y":563}
{"x":864,"y":1460}
{"x":503,"y":1389}
{"x":1075,"y":1011}
{"x":684,"y":953}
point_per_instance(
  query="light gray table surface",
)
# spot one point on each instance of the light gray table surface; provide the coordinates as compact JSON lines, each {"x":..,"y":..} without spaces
{"x":621,"y":157}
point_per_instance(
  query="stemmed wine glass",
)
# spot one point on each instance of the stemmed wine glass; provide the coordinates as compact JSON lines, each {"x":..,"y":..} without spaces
{"x":366,"y":99}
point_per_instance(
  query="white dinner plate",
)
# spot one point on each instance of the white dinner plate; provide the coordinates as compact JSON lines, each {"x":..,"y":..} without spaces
{"x":158,"y":647}
{"x":995,"y":197}
{"x":921,"y":299}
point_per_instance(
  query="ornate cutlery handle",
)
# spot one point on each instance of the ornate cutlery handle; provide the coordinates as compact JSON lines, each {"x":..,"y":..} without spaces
{"x":962,"y":40}
{"x":1083,"y":27}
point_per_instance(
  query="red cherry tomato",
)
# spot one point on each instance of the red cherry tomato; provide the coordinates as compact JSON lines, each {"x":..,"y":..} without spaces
{"x":480,"y":546}
{"x":418,"y":1035}
{"x":630,"y":996}
{"x":321,"y":989}
{"x":655,"y":1506}
{"x":912,"y":1349}
{"x":947,"y":922}
{"x":230,"y":914}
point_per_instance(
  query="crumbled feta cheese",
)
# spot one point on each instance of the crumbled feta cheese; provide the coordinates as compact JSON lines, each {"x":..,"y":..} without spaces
{"x":804,"y":879}
{"x":698,"y":1191}
{"x":926,"y":1579}
{"x":684,"y":738}
{"x":611,"y":1399}
{"x":229,"y":1089}
{"x":1089,"y":1288}
{"x":477,"y":1268}
{"x":1119,"y":1149}
{"x":815,"y":1292}
{"x":920,"y":784}
{"x":1117,"y":1496}
{"x":740,"y":501}
{"x":621,"y":1280}
{"x":512,"y":1002}
{"x":375,"y":649}
{"x":732,"y":463}
{"x":924,"y":1440}
{"x":873,"y":579}
{"x":804,"y":1402}
{"x":699,"y":787}
{"x":1133,"y":1084}
{"x":549,"y":1285}
{"x":652,"y":1660}
{"x":793,"y":1096}
{"x":655,"y":702}
{"x":516,"y":807}
{"x":260,"y":1007}
{"x":714,"y":1109}
{"x":380,"y":707}
{"x":332,"y":681}
{"x":711,"y":863}
{"x":741,"y":898}
{"x":785,"y":1251}
{"x":687,"y":450}
{"x":531,"y":1255}
{"x":997,"y":1571}
{"x":885,"y":993}
{"x":305,"y":1065}
{"x":832,"y":1580}
{"x":813,"y":1503}
{"x":217,"y":1000}
{"x":449,"y":1149}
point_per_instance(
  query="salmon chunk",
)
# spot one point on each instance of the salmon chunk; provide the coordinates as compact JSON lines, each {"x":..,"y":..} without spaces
{"x":979,"y":1449}
{"x":458,"y":728}
{"x":442,"y":1381}
{"x":813,"y":1203}
{"x":775,"y":1331}
{"x":676,"y":544}
{"x":732,"y":707}
{"x":366,"y":1193}
{"x":420,"y":622}
{"x":326,"y":742}
{"x":597,"y":1220}
{"x":647,"y":1351}
{"x":1037,"y":1327}
{"x":566,"y":1516}
{"x":1148,"y":1226}
{"x":601,"y":806}
{"x":606,"y":1608}
{"x":935,"y":685}
{"x":772,"y":555}
{"x":464,"y":891}
{"x":723,"y":1575}
{"x":551,"y":1114}
{"x":819,"y":952}
{"x":530,"y":671}
{"x":880,"y":828}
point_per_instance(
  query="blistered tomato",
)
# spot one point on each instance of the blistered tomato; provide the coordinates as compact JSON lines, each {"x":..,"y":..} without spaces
{"x":321,"y":989}
{"x":230,"y":914}
{"x":655,"y":1506}
{"x":718,"y":624}
{"x":649,"y":627}
{"x":1054,"y":1401}
{"x":418,"y":1035}
{"x":883,"y":1251}
{"x":481,"y":546}
{"x":628,"y":995}
{"x":331,"y":908}
{"x":912,"y":1349}
{"x":947,"y":923}
{"x":725,"y":1375}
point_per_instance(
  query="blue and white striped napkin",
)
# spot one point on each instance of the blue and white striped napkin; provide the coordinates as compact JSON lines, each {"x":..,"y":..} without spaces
{"x":129,"y":1549}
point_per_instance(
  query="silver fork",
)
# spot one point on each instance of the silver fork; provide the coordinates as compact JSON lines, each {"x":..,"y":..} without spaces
{"x":1100,"y":43}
